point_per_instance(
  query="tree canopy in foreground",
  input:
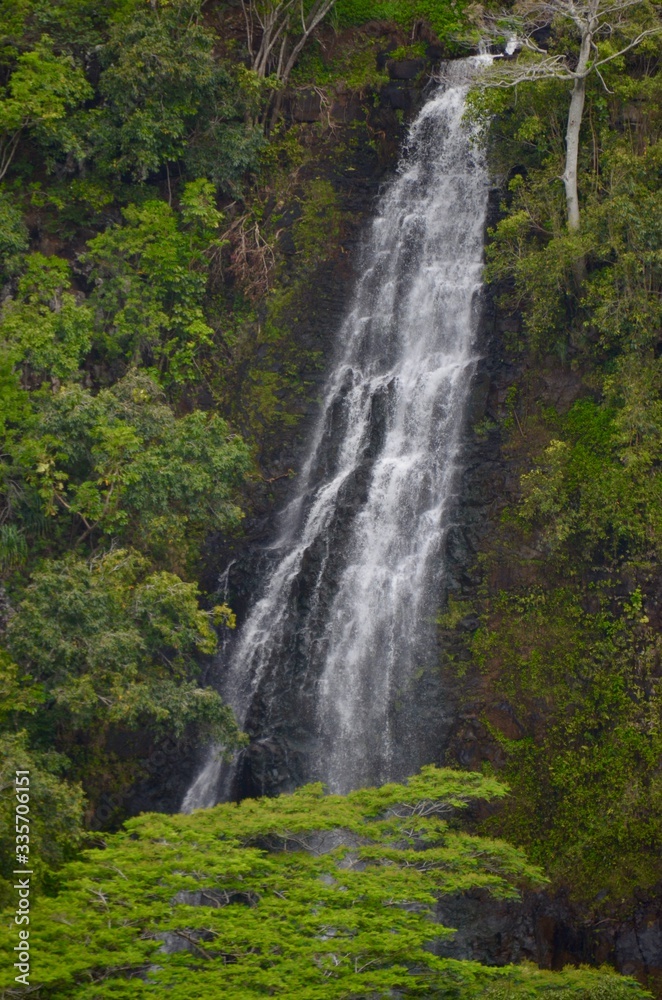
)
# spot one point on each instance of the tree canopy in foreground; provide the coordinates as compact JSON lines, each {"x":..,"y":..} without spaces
{"x":307,"y":896}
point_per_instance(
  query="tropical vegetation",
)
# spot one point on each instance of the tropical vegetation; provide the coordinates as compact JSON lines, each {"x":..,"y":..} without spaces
{"x":165,"y":208}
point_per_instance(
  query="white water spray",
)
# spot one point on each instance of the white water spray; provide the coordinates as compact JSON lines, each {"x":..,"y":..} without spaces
{"x":347,"y":611}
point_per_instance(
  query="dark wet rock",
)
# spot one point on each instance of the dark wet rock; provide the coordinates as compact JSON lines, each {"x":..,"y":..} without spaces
{"x":347,"y":108}
{"x":398,"y":96}
{"x":305,"y":106}
{"x":551,"y":932}
{"x":405,"y":69}
{"x":480,"y":392}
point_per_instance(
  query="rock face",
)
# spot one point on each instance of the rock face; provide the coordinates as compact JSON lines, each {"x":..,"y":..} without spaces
{"x":335,"y":674}
{"x":356,"y":163}
{"x":550,"y":932}
{"x":405,"y":69}
{"x":542,"y":929}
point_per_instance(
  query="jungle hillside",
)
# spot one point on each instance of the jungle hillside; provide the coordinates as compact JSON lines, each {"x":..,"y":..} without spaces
{"x":183,"y":188}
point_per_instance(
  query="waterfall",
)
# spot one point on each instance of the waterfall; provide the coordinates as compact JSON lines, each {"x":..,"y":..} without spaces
{"x":333,"y":648}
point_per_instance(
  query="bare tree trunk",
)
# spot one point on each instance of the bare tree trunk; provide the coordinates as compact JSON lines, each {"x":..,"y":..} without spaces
{"x":316,"y":15}
{"x":8,"y":151}
{"x":286,"y":61}
{"x":575,"y":113}
{"x":591,"y":19}
{"x":572,"y":152}
{"x":272,"y":25}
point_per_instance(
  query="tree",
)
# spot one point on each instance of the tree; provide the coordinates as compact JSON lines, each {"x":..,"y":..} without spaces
{"x":133,"y":471}
{"x":13,"y":236}
{"x":43,"y":327}
{"x":306,"y":896}
{"x":56,"y":806}
{"x":593,"y":23}
{"x":41,"y":92}
{"x":79,"y":470}
{"x":168,"y":99}
{"x":165,"y":494}
{"x":159,"y":68}
{"x":113,"y":644}
{"x":270,"y":25}
{"x":150,"y":277}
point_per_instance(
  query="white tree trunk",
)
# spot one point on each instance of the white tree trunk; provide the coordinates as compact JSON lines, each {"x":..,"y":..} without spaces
{"x":575,"y":114}
{"x":572,"y":151}
{"x":316,"y":14}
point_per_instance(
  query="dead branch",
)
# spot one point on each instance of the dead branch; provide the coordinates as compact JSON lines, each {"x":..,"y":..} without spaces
{"x":252,"y":257}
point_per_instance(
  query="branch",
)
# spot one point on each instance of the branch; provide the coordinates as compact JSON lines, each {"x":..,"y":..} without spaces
{"x":602,"y":80}
{"x":637,"y":40}
{"x":195,"y":943}
{"x":249,"y":29}
{"x":550,"y":68}
{"x":554,"y":67}
{"x":67,"y":506}
{"x":617,"y":7}
{"x":9,"y":152}
{"x":588,"y":18}
{"x":315,"y":16}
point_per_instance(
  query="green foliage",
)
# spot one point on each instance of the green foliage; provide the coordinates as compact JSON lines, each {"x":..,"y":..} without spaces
{"x":597,"y":493}
{"x":354,"y":67}
{"x":583,"y":684}
{"x":44,"y":329}
{"x":304,"y":896}
{"x":159,"y":68}
{"x":227,"y":141}
{"x":119,"y":464}
{"x":575,"y":984}
{"x":113,"y":643}
{"x":274,"y":365}
{"x":579,"y":664}
{"x":165,"y":98}
{"x":445,"y":19}
{"x":583,"y":688}
{"x":179,"y":489}
{"x":162,"y":97}
{"x":316,"y":232}
{"x":56,"y":806}
{"x":41,"y":92}
{"x":150,"y":277}
{"x":14,"y":400}
{"x":108,"y":486}
{"x":623,"y":292}
{"x":76,"y":27}
{"x":318,"y":224}
{"x":13,"y":236}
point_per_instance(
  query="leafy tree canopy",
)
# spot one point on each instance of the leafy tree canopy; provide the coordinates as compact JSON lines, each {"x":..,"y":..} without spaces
{"x":41,"y":91}
{"x":150,"y":276}
{"x":43,"y":327}
{"x":166,"y":99}
{"x":118,"y":465}
{"x":56,"y":805}
{"x":306,"y":896}
{"x":13,"y":236}
{"x":112,"y":643}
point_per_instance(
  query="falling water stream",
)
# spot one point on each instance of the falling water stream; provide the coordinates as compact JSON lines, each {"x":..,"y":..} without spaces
{"x":345,"y":618}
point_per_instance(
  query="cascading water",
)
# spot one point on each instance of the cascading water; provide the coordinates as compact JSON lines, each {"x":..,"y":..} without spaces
{"x":344,"y":626}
